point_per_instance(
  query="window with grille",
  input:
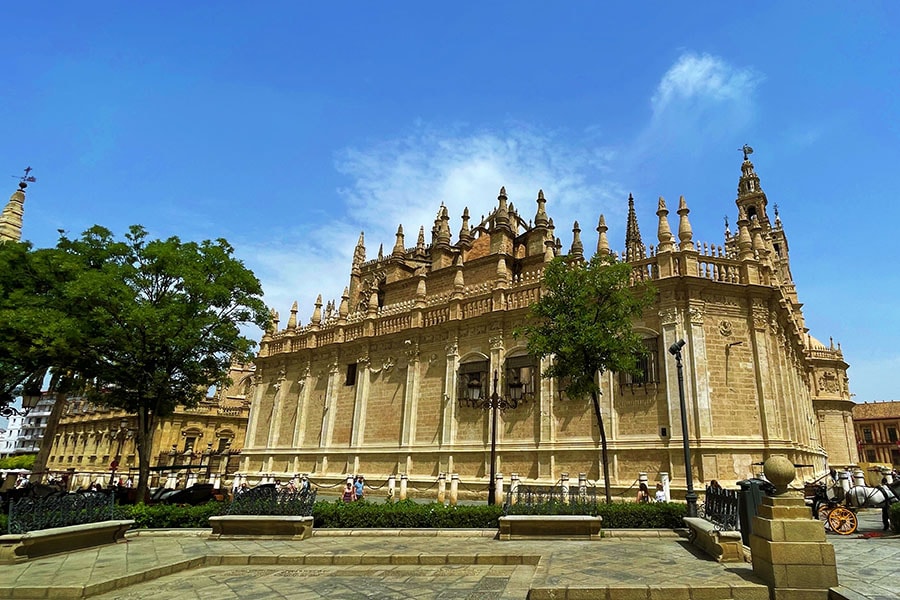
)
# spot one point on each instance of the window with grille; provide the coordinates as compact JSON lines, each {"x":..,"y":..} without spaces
{"x":867,"y":435}
{"x":648,"y":364}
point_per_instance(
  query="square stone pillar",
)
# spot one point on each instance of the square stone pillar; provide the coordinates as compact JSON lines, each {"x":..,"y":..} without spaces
{"x":790,"y":552}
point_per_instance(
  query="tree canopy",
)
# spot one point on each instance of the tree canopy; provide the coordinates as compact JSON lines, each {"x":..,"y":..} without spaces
{"x":156,"y":322}
{"x":583,"y":321}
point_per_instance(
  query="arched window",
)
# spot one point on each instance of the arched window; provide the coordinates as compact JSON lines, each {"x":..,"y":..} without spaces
{"x":521,"y":377}
{"x":473,"y":381}
{"x":648,"y":365}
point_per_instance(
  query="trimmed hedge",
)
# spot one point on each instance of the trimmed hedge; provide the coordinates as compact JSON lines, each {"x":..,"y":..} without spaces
{"x":171,"y":516}
{"x":364,"y":514}
{"x":894,"y":516}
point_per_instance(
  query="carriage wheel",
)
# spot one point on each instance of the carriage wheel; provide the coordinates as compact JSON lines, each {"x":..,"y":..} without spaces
{"x":823,"y":515}
{"x":842,"y":521}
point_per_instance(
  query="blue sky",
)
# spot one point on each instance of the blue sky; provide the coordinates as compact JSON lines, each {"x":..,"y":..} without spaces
{"x":287,"y":128}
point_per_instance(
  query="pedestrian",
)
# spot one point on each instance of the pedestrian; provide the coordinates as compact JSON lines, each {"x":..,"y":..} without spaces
{"x":660,"y":493}
{"x":349,"y":494}
{"x":643,"y":494}
{"x":304,"y":485}
{"x":359,"y":487}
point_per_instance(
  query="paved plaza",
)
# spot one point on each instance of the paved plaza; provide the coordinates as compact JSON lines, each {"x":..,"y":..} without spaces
{"x":422,"y":564}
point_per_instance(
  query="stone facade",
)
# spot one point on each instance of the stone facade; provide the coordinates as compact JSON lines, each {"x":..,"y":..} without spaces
{"x":877,"y":426}
{"x":385,"y":382}
{"x":90,"y":437}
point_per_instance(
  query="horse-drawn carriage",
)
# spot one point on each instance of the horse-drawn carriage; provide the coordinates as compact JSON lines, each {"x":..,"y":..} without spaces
{"x":835,"y":500}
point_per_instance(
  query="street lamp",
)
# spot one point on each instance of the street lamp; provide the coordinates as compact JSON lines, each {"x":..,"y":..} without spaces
{"x":29,"y":401}
{"x":690,"y":496}
{"x":120,"y":436}
{"x":495,"y":403}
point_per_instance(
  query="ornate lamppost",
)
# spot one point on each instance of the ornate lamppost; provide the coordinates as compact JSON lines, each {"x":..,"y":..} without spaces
{"x":495,"y":403}
{"x":29,"y":401}
{"x":121,"y":433}
{"x":690,"y":496}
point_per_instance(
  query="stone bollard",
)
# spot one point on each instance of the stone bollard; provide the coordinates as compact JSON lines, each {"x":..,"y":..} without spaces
{"x":404,"y":484}
{"x":191,"y":480}
{"x":664,"y":479}
{"x":513,"y":488}
{"x":564,"y":487}
{"x":582,"y":487}
{"x":454,"y":488}
{"x":859,"y":478}
{"x":498,"y":488}
{"x":392,"y":488}
{"x":217,"y":482}
{"x":789,"y":549}
{"x":442,"y":484}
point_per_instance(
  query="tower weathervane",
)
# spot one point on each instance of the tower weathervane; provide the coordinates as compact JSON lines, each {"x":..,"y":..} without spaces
{"x":25,"y":179}
{"x":747,"y":150}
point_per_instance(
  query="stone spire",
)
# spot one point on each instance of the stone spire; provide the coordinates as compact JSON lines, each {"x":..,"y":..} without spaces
{"x":663,"y":231}
{"x":11,"y":217}
{"x":420,"y":242}
{"x":380,"y":251}
{"x":344,"y":308}
{"x":292,"y":320}
{"x":684,"y":226}
{"x":577,"y":249}
{"x":750,"y":194}
{"x":465,"y":232}
{"x":602,"y":241}
{"x":459,"y":282}
{"x":399,"y":246}
{"x":540,"y":218}
{"x":317,"y":313}
{"x":502,"y":215}
{"x":443,"y":227}
{"x":359,"y":253}
{"x":745,"y":244}
{"x":634,"y":247}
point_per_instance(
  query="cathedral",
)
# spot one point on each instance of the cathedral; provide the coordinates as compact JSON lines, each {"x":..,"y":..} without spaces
{"x":389,"y":381}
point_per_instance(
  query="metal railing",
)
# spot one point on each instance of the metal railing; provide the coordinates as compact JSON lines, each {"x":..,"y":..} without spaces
{"x":720,"y":507}
{"x":62,"y":510}
{"x":551,"y":500}
{"x":269,"y":500}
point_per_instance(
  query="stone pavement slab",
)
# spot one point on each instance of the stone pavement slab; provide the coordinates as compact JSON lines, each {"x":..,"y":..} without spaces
{"x":417,"y":564}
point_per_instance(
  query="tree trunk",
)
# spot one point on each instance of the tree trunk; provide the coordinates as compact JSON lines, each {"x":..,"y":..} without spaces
{"x":604,"y":458}
{"x":146,"y":421}
{"x":40,"y":462}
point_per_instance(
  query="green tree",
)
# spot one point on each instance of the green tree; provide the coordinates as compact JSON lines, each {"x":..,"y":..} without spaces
{"x":148,"y":324}
{"x":583,"y":321}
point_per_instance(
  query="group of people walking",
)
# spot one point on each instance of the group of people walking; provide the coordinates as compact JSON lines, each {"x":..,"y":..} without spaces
{"x":354,"y":490}
{"x":643,"y":494}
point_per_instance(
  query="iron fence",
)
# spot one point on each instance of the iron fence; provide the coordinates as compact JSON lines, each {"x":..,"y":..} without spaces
{"x":720,"y":507}
{"x":60,"y":510}
{"x":268,"y":500}
{"x":551,"y":500}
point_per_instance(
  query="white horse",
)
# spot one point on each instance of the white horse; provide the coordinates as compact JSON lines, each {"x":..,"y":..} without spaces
{"x":863,"y":496}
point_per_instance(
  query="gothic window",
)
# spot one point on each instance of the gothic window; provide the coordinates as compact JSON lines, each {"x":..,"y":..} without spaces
{"x":648,"y":365}
{"x":521,"y":378}
{"x":473,"y":381}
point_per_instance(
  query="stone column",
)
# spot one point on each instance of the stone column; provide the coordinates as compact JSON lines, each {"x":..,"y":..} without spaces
{"x":454,"y":489}
{"x":699,"y":372}
{"x":411,"y":397}
{"x":281,"y":391}
{"x":392,"y":488}
{"x":331,"y":393}
{"x":302,"y":406}
{"x":404,"y":483}
{"x":498,"y":489}
{"x":441,"y":488}
{"x":255,"y":406}
{"x":448,"y":420}
{"x":789,"y":549}
{"x":357,"y":433}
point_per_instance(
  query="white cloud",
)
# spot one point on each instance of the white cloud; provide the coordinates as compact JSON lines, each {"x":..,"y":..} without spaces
{"x":405,"y":180}
{"x":698,"y":79}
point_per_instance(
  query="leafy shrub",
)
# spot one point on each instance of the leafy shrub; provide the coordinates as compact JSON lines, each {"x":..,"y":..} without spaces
{"x":170,"y":516}
{"x":894,"y":516}
{"x":364,"y":514}
{"x":636,"y":515}
{"x":4,"y":524}
{"x":21,"y":461}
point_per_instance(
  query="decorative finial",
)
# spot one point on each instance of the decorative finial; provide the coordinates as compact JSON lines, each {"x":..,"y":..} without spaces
{"x":25,"y":179}
{"x":747,"y":150}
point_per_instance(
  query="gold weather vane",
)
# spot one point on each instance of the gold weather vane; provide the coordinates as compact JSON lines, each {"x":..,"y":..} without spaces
{"x":747,"y":150}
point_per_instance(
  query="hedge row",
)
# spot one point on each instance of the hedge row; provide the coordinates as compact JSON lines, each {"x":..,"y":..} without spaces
{"x":894,"y":516}
{"x":365,"y":514}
